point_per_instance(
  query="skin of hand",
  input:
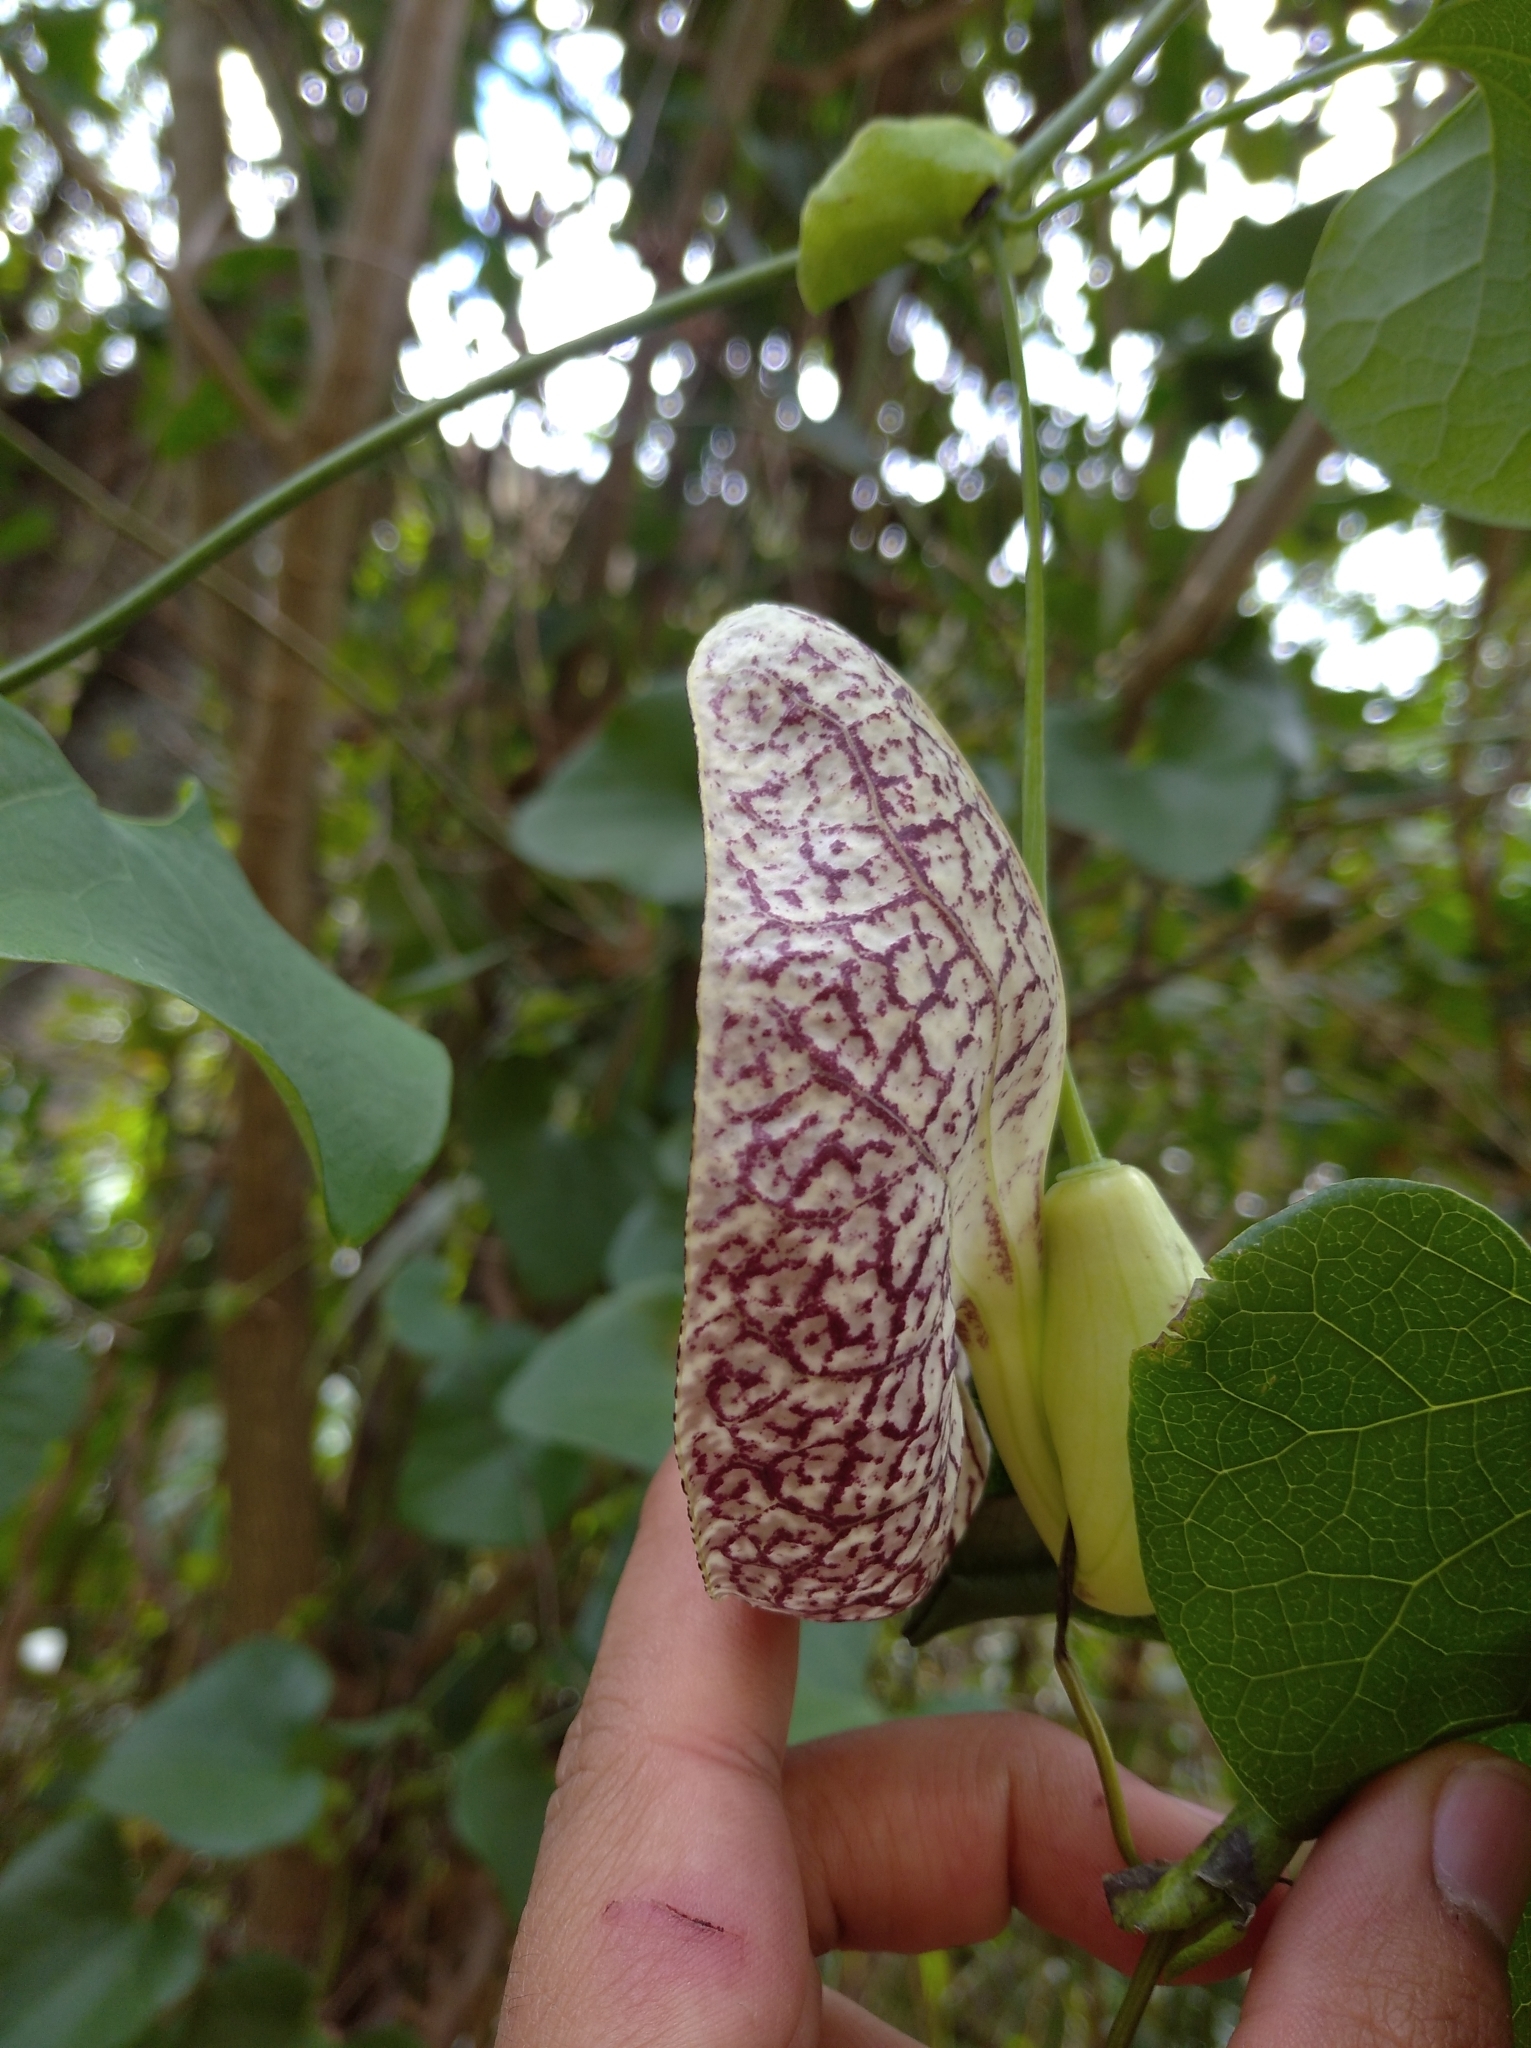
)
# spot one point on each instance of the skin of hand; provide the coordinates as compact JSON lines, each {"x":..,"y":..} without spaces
{"x":692,"y":1867}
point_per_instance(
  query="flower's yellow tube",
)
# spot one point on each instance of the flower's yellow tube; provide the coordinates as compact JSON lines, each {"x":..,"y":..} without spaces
{"x":1118,"y":1268}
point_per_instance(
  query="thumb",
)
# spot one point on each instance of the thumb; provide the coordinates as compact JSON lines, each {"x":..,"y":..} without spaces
{"x":1395,"y":1934}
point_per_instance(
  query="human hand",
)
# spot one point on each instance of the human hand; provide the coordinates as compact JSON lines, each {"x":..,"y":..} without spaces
{"x":692,"y":1867}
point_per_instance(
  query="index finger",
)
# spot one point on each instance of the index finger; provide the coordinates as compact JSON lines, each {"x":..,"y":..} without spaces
{"x":666,"y":1904}
{"x":679,"y":1668}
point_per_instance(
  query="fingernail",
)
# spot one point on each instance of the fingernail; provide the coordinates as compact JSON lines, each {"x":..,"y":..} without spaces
{"x":1482,"y":1844}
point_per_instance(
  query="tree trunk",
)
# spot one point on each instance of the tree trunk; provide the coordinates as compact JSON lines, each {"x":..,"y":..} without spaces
{"x":274,"y":1530}
{"x":274,"y":1546}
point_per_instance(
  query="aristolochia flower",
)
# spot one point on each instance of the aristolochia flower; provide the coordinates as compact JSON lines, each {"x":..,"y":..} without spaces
{"x":881,"y":1048}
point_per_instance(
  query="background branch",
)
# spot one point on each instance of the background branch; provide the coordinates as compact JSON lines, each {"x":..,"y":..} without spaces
{"x":1208,"y":593}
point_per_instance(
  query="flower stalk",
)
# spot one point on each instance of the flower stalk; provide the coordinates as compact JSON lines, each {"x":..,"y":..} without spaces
{"x":1116,"y":1269}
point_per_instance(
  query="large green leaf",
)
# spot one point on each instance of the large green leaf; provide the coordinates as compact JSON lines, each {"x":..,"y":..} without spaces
{"x":557,"y":1194}
{"x":1222,"y":756}
{"x":901,"y":188}
{"x":1332,"y":1470}
{"x":605,"y":1381}
{"x":1515,"y":1741}
{"x":212,"y":1763}
{"x":501,"y":1785}
{"x":41,"y":1389}
{"x":1419,"y":300}
{"x":78,"y":1968}
{"x":624,"y":807}
{"x":163,"y":902}
{"x":465,"y":1479}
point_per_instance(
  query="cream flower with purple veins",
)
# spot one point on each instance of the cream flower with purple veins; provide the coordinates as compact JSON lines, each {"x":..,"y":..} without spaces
{"x":881,"y":1050}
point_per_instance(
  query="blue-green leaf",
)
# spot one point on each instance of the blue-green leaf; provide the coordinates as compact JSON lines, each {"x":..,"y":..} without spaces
{"x":651,"y":1238}
{"x":624,"y":807}
{"x":605,"y":1381}
{"x":1223,"y":755}
{"x":164,"y":903}
{"x":465,"y":1479}
{"x":832,"y":1692}
{"x":1195,"y":311}
{"x":212,"y":1763}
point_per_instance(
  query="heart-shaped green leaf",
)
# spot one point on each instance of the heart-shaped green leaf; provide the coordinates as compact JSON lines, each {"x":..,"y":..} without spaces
{"x":212,"y":1762}
{"x":1223,"y":753}
{"x":624,"y":806}
{"x":880,"y":1053}
{"x":501,"y":1784}
{"x":78,"y":1967}
{"x":1419,"y":299}
{"x":900,"y":183}
{"x":163,"y":902}
{"x":605,"y":1380}
{"x":558,"y":1195}
{"x":1331,"y":1459}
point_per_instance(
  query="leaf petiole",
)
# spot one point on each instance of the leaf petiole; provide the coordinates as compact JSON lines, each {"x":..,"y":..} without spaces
{"x":1060,"y":128}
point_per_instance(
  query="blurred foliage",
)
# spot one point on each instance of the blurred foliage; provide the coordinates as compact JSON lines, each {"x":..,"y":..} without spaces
{"x":1295,"y":916}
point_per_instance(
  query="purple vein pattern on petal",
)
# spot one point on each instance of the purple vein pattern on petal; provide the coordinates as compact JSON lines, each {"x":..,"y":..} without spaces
{"x":880,"y":1054}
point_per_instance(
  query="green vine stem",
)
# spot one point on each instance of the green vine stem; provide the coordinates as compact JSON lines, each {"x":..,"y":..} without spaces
{"x":1181,"y":138}
{"x":1213,"y":1893}
{"x":380,"y":440}
{"x":1062,"y":127}
{"x":1034,"y":709}
{"x":1079,"y":1138}
{"x":1083,"y":1150}
{"x":731,"y":286}
{"x":1084,"y":1707}
{"x":1152,"y":1964}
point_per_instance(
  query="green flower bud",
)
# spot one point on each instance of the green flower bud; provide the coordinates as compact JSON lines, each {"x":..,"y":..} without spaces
{"x":902,"y":188}
{"x":1117,"y":1269}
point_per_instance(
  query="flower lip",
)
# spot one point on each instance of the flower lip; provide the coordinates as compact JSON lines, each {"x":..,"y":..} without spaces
{"x":878,"y":1067}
